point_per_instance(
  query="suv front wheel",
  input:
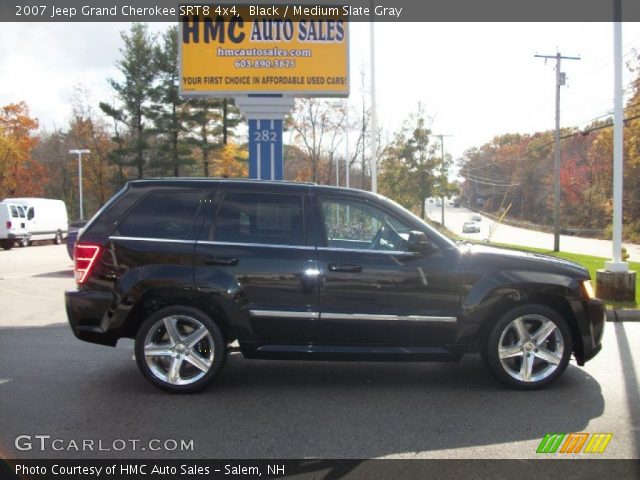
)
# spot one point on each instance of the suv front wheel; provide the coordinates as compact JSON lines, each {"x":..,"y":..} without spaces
{"x":179,"y":349}
{"x":529,"y":347}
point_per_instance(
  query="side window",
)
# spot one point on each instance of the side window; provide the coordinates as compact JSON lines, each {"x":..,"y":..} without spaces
{"x":30,"y":214}
{"x":21,"y":212}
{"x":361,"y":226}
{"x":162,"y":215}
{"x":14,"y":212}
{"x":260,"y":218}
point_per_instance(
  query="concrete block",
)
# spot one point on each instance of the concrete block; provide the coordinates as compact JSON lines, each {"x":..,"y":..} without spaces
{"x":615,"y":285}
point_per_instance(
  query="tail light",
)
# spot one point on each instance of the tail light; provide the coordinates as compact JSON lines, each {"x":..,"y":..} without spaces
{"x":8,"y":225}
{"x":85,"y":257}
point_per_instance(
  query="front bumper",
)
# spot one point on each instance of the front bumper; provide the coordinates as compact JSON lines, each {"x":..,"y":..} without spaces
{"x":591,"y":321}
{"x":87,"y":312}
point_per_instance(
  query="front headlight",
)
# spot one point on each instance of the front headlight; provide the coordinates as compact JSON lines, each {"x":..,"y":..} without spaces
{"x":587,"y":288}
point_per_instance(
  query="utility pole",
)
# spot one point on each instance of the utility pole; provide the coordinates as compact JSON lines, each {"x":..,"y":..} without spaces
{"x":469,"y":183}
{"x":443,"y":173}
{"x":560,"y":80}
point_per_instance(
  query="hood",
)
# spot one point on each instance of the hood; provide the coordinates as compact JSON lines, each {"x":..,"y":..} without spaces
{"x":494,"y":258}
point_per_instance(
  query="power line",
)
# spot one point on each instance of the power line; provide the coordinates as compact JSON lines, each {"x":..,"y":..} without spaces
{"x":492,"y":183}
{"x":562,"y":137}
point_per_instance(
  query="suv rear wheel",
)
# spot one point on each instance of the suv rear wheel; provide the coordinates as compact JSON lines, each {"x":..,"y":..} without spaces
{"x":179,"y":349}
{"x":529,"y":347}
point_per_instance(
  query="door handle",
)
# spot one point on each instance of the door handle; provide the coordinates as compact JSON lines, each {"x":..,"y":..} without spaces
{"x":229,"y":261}
{"x":344,"y":267}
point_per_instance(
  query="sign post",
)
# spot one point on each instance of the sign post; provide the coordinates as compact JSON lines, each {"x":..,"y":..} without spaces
{"x":265,"y":115}
{"x":264,"y":61}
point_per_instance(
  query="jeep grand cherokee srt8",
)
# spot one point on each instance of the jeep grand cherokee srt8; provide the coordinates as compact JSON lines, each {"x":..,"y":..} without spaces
{"x":299,"y":271}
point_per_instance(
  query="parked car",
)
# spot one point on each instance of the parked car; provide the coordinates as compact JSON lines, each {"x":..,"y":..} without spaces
{"x":476,"y":218}
{"x":471,"y":227}
{"x":307,"y":272}
{"x":74,"y":230}
{"x":13,"y":226}
{"x":46,"y":218}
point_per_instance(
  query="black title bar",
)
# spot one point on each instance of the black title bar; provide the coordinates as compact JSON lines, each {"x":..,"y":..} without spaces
{"x":356,"y":10}
{"x":582,"y":469}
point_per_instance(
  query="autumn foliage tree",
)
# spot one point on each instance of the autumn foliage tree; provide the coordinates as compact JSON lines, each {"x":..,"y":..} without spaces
{"x":20,"y":175}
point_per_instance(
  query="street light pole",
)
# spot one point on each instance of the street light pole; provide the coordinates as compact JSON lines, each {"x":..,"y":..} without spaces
{"x":616,"y":281}
{"x":374,"y":120}
{"x":617,"y":264}
{"x":79,"y":153}
{"x":347,"y":152}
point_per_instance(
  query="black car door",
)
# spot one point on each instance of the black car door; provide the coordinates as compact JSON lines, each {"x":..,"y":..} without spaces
{"x":257,"y":259}
{"x":374,"y":291}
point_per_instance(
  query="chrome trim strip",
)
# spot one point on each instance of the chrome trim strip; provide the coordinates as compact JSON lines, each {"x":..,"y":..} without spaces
{"x":350,"y":316}
{"x":284,"y":314}
{"x":261,"y":245}
{"x":143,"y":239}
{"x":364,"y":250}
{"x":365,"y":316}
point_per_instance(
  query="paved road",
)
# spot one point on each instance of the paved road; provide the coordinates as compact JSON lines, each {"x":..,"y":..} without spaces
{"x":53,"y":384}
{"x":455,"y":217}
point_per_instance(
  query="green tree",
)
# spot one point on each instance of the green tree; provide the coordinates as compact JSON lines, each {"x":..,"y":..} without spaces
{"x":169,"y":111}
{"x":135,"y":91}
{"x":410,"y":169}
{"x":213,"y":123}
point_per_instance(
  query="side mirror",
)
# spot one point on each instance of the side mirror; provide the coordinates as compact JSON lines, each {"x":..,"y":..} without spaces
{"x":419,"y":242}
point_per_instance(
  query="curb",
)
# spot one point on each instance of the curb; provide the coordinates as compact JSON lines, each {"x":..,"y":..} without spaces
{"x":623,"y":315}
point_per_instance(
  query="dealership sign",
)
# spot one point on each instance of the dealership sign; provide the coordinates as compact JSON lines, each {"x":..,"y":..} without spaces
{"x":253,"y":50}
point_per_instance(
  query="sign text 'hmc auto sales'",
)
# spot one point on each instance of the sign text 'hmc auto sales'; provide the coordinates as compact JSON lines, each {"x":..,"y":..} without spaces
{"x":282,"y":52}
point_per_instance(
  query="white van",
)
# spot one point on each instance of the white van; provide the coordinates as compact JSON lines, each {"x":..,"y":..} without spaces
{"x":46,"y":218}
{"x":13,"y":226}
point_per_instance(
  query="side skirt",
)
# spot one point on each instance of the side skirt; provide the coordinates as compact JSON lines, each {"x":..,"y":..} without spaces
{"x":371,"y":353}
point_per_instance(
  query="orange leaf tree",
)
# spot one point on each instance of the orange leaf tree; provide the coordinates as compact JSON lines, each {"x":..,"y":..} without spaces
{"x":20,"y":175}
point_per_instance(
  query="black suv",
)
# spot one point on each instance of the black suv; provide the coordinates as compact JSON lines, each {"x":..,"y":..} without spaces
{"x":186,"y":267}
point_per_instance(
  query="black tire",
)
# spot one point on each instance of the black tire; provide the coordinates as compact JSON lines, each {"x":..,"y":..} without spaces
{"x":24,"y":242}
{"x":6,"y":244}
{"x":157,"y":369}
{"x":512,"y":369}
{"x":57,"y":240}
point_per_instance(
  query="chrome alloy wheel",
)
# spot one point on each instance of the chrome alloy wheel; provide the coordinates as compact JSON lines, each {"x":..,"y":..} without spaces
{"x":179,"y":350}
{"x":531,"y":348}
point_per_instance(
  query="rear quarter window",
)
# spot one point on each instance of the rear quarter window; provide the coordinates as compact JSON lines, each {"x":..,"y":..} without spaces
{"x":263,"y":218}
{"x":163,"y":215}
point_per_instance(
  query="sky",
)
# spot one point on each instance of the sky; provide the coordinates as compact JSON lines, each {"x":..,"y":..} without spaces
{"x":474,"y":80}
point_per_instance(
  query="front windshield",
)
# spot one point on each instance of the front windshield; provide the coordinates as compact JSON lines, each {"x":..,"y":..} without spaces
{"x":432,"y":231}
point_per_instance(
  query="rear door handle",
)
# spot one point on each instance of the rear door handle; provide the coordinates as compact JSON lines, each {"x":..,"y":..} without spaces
{"x":344,"y":267}
{"x":229,"y":261}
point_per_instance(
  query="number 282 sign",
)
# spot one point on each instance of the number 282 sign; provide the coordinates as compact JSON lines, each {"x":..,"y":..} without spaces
{"x":243,"y":51}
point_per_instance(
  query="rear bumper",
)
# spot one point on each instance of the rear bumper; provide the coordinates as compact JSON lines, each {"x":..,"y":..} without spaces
{"x":592,"y":321}
{"x":87,"y":312}
{"x":17,"y":236}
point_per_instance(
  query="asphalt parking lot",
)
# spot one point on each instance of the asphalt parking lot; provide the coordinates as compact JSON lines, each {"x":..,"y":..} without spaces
{"x":53,"y":384}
